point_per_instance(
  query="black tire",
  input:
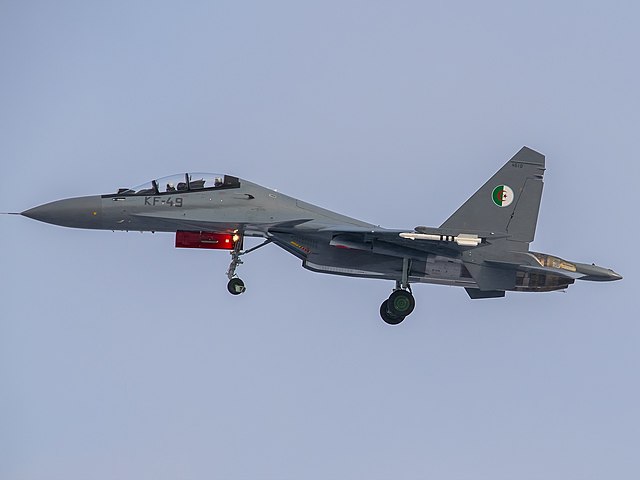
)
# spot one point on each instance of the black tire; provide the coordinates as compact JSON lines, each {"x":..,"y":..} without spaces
{"x":388,"y":317}
{"x":401,"y":303}
{"x":236,"y":286}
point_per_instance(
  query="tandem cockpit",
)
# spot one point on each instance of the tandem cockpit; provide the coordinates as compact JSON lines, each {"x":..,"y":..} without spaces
{"x":183,"y":183}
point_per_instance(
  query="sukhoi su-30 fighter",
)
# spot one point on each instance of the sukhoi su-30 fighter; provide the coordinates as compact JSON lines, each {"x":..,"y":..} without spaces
{"x":483,"y":246}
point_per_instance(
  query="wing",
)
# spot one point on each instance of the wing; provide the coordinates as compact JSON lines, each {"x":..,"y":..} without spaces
{"x":414,"y":243}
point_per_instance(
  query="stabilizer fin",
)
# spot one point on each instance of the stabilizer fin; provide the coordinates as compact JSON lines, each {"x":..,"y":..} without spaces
{"x":508,"y":203}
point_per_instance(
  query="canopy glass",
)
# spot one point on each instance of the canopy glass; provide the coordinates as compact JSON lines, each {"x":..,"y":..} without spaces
{"x":183,"y":182}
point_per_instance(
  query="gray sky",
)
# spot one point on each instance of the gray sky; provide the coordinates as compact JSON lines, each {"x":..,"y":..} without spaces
{"x":122,"y":357}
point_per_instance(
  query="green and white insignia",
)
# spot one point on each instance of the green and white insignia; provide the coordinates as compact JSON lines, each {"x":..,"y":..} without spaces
{"x":502,"y":196}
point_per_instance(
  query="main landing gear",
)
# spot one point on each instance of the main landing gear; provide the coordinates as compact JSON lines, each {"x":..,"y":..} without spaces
{"x":400,"y":303}
{"x":236,"y":285}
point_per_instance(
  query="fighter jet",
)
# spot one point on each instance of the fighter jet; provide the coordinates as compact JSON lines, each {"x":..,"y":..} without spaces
{"x":483,"y":246}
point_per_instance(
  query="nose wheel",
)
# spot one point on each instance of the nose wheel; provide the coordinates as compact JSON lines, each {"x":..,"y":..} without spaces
{"x":236,"y":286}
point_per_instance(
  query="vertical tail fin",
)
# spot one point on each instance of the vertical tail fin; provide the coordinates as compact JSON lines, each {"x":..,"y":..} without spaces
{"x":508,"y":203}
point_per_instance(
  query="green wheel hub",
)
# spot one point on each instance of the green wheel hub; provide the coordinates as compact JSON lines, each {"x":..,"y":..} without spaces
{"x":401,"y":303}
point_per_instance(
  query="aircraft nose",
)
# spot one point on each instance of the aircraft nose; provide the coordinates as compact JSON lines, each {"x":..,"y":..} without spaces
{"x":80,"y":212}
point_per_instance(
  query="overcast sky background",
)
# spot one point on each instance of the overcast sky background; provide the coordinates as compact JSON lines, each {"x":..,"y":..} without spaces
{"x":122,"y":357}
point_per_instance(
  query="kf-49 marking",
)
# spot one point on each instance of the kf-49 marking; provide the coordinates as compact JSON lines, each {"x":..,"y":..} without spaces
{"x":154,"y":201}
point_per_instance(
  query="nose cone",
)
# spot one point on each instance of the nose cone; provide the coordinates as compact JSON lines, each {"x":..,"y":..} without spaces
{"x":614,"y":276}
{"x":80,"y":212}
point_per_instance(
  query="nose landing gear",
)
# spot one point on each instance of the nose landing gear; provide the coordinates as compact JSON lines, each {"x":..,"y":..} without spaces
{"x":236,"y":286}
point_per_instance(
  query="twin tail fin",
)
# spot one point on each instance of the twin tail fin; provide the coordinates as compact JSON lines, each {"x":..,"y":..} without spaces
{"x":508,"y":203}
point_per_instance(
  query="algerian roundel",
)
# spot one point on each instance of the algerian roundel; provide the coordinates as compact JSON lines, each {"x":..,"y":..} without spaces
{"x":502,"y":196}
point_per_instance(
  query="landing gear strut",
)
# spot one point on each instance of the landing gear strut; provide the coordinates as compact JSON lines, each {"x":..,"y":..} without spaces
{"x":400,"y":303}
{"x":236,"y":285}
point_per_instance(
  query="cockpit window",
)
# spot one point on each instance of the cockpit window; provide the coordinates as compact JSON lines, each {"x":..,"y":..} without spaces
{"x":144,"y":189}
{"x":553,"y":262}
{"x":198,"y":181}
{"x":182,"y":182}
{"x":173,"y":184}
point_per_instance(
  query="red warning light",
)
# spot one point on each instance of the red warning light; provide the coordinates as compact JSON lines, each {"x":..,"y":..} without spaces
{"x":210,"y":240}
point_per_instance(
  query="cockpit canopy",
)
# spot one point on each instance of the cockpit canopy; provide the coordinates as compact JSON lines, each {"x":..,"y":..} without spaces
{"x":183,"y":182}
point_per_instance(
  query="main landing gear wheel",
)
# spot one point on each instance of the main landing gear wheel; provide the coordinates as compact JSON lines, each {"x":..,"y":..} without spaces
{"x":236,"y":286}
{"x":401,"y":303}
{"x":387,"y":316}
